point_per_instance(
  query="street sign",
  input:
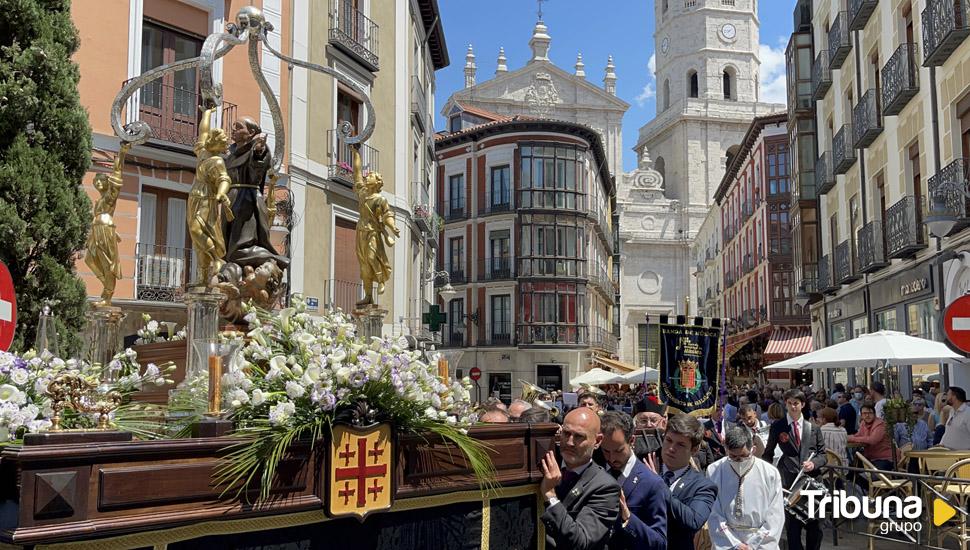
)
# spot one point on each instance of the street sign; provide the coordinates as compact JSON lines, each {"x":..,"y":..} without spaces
{"x":956,"y":323}
{"x":475,"y":373}
{"x":8,"y":308}
{"x":434,"y":318}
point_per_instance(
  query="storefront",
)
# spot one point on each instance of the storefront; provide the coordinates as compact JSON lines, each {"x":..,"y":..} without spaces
{"x":846,"y":319}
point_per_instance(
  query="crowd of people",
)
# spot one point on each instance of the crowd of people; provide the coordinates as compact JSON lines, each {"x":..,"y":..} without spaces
{"x":627,"y":475}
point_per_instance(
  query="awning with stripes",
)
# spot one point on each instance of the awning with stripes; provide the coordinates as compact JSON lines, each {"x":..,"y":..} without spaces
{"x":789,"y":342}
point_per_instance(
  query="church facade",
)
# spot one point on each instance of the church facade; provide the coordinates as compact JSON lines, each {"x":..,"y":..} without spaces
{"x":707,"y":73}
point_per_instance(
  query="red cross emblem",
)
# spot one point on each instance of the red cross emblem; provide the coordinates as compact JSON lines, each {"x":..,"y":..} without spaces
{"x":360,"y":471}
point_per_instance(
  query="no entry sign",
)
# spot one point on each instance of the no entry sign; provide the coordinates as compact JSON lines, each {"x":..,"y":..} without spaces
{"x":475,"y":373}
{"x":956,"y":323}
{"x":8,"y":308}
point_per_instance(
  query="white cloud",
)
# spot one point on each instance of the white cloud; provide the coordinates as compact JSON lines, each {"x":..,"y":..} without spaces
{"x":652,"y":65}
{"x":645,"y":94}
{"x":772,"y":78}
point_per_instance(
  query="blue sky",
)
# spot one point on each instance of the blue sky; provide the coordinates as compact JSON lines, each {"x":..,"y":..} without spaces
{"x":624,"y":30}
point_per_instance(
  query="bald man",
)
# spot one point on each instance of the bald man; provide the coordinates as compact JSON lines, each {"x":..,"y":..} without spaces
{"x":582,"y":500}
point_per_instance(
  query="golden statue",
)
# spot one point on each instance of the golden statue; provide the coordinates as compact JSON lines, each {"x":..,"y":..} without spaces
{"x":102,"y":246}
{"x":376,"y":218}
{"x":208,"y":200}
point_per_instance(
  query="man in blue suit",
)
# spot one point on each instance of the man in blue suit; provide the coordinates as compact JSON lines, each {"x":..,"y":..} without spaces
{"x":642,"y":524}
{"x":691,"y":494}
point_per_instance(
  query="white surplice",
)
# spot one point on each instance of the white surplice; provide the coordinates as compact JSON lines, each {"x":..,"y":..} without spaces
{"x":763,"y":506}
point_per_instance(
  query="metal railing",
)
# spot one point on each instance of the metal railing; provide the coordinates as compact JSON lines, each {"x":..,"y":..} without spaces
{"x":840,"y":41}
{"x":904,"y":228}
{"x":495,"y":269}
{"x":748,"y":264}
{"x":600,"y":278}
{"x":945,"y":24}
{"x":826,"y":281}
{"x":455,"y":213}
{"x":843,"y":153}
{"x":496,"y":334}
{"x":503,"y":206}
{"x":859,"y":12}
{"x":454,"y":335}
{"x":867,"y":119}
{"x":353,"y":32}
{"x":821,"y":75}
{"x":552,"y":334}
{"x":343,"y":295}
{"x":457,"y":274}
{"x":872,"y":247}
{"x":846,"y":270}
{"x":342,"y":160}
{"x":809,"y":280}
{"x":551,"y":267}
{"x":162,"y":272}
{"x":173,"y":114}
{"x":824,"y":173}
{"x":551,"y":199}
{"x":900,"y":79}
{"x":947,"y":189}
{"x":602,"y":338}
{"x":419,"y":103}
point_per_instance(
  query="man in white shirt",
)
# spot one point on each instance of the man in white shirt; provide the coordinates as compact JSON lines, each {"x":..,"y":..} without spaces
{"x":749,"y":513}
{"x":957,"y":433}
{"x":878,"y":396}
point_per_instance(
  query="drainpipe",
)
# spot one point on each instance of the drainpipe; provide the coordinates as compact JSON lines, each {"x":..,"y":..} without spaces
{"x":862,"y":176}
{"x":937,"y":165}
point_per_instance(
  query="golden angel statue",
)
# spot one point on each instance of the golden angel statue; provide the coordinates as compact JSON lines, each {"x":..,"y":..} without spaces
{"x":102,"y":247}
{"x":373,"y":228}
{"x":208,"y":200}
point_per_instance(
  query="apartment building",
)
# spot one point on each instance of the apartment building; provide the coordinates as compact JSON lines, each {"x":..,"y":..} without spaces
{"x":887,"y":101}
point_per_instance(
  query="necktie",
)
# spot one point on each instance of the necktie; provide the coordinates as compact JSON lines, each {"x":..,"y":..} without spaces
{"x":668,"y":477}
{"x":798,"y":438}
{"x":569,"y":479}
{"x":616,"y":473}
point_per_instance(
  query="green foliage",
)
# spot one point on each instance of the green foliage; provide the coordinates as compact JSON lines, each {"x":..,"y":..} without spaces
{"x":45,"y":149}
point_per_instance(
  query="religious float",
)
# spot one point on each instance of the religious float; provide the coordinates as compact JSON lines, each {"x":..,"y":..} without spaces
{"x":278,"y":430}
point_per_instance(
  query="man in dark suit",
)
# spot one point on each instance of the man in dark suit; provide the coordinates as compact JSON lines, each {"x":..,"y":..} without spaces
{"x":691,"y":494}
{"x":582,"y":500}
{"x":642,"y":524}
{"x":798,"y":439}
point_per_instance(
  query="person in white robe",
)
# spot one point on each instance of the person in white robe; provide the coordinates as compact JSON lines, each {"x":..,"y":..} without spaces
{"x":749,"y":513}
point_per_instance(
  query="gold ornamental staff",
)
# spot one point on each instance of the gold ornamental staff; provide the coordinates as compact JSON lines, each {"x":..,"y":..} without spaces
{"x":102,"y":247}
{"x":208,"y":200}
{"x":376,"y":218}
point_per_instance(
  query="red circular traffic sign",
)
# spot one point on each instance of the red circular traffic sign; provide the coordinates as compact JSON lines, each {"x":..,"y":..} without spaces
{"x":956,"y":323}
{"x":475,"y":373}
{"x":8,"y":308}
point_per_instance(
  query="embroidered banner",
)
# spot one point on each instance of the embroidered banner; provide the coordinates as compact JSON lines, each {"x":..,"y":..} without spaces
{"x":689,"y":368}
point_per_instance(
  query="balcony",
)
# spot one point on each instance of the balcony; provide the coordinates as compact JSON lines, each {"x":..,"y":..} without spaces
{"x":821,"y":75}
{"x":826,"y":282}
{"x":809,"y":282}
{"x":173,"y":114}
{"x":603,"y":339}
{"x":454,"y":335}
{"x":843,"y":154}
{"x":824,"y":175}
{"x":342,"y":161}
{"x":342,"y":294}
{"x":421,"y":209}
{"x":730,"y":278}
{"x":162,"y":272}
{"x":552,"y":334}
{"x":845,"y":264}
{"x":495,"y":269}
{"x":946,"y":193}
{"x":859,"y":12}
{"x":867,"y":119}
{"x":496,"y":334}
{"x":945,"y":24}
{"x":872,"y":247}
{"x":900,"y":79}
{"x":904,"y":228}
{"x":353,"y":33}
{"x":748,"y":264}
{"x":419,"y":104}
{"x":456,"y":275}
{"x":504,"y":206}
{"x":599,"y":278}
{"x":840,"y":41}
{"x":456,"y":213}
{"x":747,"y":210}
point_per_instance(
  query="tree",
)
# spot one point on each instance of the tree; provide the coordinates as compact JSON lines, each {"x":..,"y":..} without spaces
{"x":45,"y":149}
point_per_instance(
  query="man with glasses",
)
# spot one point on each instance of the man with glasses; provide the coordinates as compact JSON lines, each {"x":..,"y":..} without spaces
{"x":913,"y":435}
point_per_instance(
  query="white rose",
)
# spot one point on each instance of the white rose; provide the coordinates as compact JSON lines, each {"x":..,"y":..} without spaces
{"x":152,"y":326}
{"x":431,"y":413}
{"x":19,"y":376}
{"x":258,"y":397}
{"x":294,"y":389}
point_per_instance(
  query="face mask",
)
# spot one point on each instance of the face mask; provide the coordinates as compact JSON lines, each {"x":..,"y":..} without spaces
{"x":857,"y":395}
{"x":741,"y":466}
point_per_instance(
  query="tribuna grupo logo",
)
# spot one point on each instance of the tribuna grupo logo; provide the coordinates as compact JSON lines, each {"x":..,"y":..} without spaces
{"x":895,"y":514}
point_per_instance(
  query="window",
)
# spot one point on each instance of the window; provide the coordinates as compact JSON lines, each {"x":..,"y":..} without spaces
{"x":553,"y":312}
{"x":165,"y":260}
{"x":456,"y":318}
{"x":781,"y":294}
{"x":778,"y":181}
{"x":549,"y":377}
{"x":500,"y":317}
{"x":499,"y":253}
{"x":779,"y":228}
{"x":170,"y":104}
{"x":348,"y":109}
{"x":665,"y":96}
{"x":886,"y":320}
{"x":500,"y":187}
{"x":456,"y":258}
{"x":552,"y":176}
{"x":727,"y":85}
{"x":693,"y":89}
{"x":552,"y":245}
{"x":456,"y":195}
{"x":648,"y":352}
{"x":661,"y":166}
{"x":454,"y":124}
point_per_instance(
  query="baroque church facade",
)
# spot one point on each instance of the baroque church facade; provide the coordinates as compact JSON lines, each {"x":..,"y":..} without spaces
{"x":707,"y":74}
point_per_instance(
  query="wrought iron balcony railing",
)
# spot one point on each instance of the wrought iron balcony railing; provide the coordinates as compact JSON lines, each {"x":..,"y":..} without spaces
{"x":826,"y":277}
{"x":456,"y":274}
{"x":421,"y":208}
{"x":504,"y":205}
{"x":872,"y":247}
{"x":162,"y":272}
{"x":859,"y":12}
{"x":342,"y":294}
{"x":900,"y":79}
{"x":867,"y":119}
{"x":945,"y":24}
{"x":454,"y":335}
{"x":846,"y":270}
{"x":748,"y":264}
{"x":821,"y":75}
{"x":552,"y":334}
{"x":809,"y":279}
{"x":602,"y":338}
{"x":840,"y":40}
{"x":354,"y":33}
{"x":419,"y":104}
{"x":947,"y":192}
{"x":496,"y":334}
{"x":824,"y":174}
{"x":456,"y":213}
{"x":341,"y":158}
{"x":495,"y":269}
{"x":173,"y":114}
{"x":843,"y":153}
{"x":905,"y":234}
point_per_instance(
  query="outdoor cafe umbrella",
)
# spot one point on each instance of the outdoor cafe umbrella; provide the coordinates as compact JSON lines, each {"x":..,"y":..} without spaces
{"x":596,"y":377}
{"x":878,"y":349}
{"x":637,"y":376}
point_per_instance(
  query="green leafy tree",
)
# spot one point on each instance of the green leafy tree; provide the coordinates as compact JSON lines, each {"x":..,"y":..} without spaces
{"x":45,"y":149}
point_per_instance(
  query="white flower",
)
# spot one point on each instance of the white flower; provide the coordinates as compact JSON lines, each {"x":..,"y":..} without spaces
{"x":451,"y":420}
{"x":280,"y":413}
{"x":238,"y":397}
{"x":19,"y":376}
{"x":343,"y":375}
{"x":152,"y":326}
{"x":306,"y":338}
{"x":258,"y":397}
{"x":294,"y":389}
{"x":431,"y":413}
{"x":12,"y":394}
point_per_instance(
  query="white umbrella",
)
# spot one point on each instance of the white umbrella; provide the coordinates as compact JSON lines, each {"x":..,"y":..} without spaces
{"x":595,"y":377}
{"x":637,"y":376}
{"x":883,"y":348}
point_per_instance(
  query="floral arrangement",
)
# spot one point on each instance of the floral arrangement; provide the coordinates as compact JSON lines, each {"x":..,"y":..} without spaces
{"x":149,"y":334}
{"x":296,"y":375}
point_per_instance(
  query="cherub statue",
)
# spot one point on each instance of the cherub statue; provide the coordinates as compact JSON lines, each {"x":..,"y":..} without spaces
{"x":208,"y":200}
{"x":102,"y":246}
{"x":376,"y":220}
{"x":260,"y":286}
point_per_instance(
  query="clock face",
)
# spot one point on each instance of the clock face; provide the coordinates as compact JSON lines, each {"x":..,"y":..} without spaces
{"x":728,"y":31}
{"x":665,"y":45}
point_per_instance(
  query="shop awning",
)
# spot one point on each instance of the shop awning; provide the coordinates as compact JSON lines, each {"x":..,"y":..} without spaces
{"x":617,"y":365}
{"x":789,"y":342}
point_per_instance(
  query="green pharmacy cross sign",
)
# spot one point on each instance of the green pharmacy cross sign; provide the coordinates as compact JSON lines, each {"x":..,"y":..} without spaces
{"x":434,"y":318}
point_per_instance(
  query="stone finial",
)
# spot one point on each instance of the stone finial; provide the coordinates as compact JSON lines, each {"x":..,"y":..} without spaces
{"x":609,"y":80}
{"x":645,"y":162}
{"x":540,"y":43}
{"x":470,"y":67}
{"x":501,"y":67}
{"x":580,"y":66}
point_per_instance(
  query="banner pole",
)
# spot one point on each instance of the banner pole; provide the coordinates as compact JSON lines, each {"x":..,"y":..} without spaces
{"x":646,"y":346}
{"x":724,"y":360}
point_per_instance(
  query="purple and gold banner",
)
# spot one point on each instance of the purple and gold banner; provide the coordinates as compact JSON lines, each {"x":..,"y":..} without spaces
{"x":689,"y":368}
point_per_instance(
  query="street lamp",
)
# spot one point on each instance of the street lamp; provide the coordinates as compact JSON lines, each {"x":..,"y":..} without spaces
{"x":447,"y":292}
{"x":941,"y":219}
